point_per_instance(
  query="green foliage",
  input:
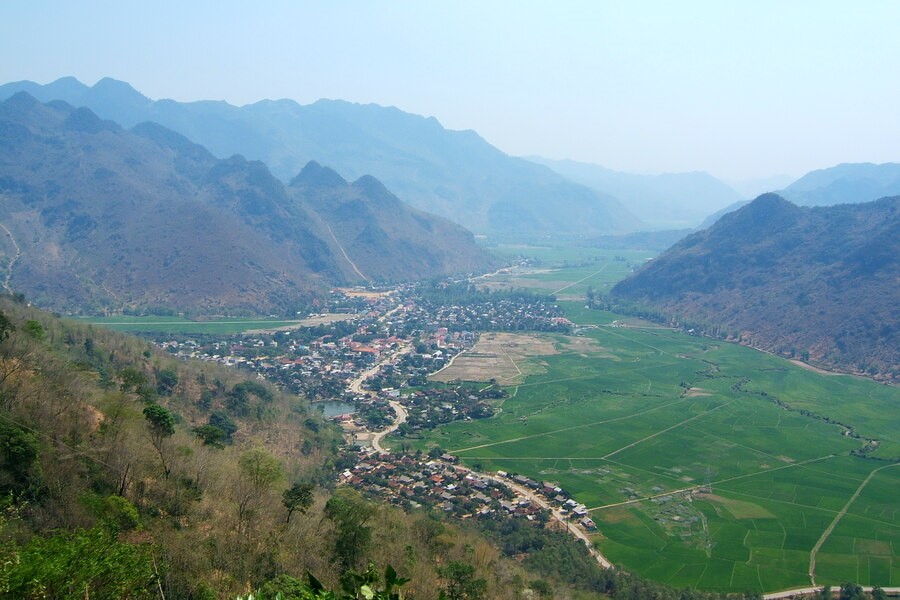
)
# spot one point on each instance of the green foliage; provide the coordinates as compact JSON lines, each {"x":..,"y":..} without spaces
{"x":160,"y":420}
{"x":461,"y":583}
{"x":166,"y":380}
{"x":260,"y":467}
{"x":35,"y":330}
{"x":121,"y":514}
{"x":211,"y":435}
{"x":224,"y":422}
{"x":367,"y":585}
{"x":83,"y":564}
{"x":6,"y":327}
{"x":131,"y":379}
{"x":349,"y":512}
{"x":19,"y":453}
{"x":298,"y":497}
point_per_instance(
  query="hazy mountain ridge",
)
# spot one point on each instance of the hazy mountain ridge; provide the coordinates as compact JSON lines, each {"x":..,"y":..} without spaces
{"x":669,"y":200}
{"x":455,"y":174}
{"x":813,"y":283}
{"x":105,"y":217}
{"x":845,"y":183}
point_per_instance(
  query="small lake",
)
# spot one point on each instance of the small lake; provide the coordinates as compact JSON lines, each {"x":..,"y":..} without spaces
{"x":333,"y":408}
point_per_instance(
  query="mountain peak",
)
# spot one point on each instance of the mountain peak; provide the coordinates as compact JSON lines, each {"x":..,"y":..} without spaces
{"x":766,"y":210}
{"x":86,"y":121}
{"x":374,"y":189}
{"x":21,"y":101}
{"x":315,"y":175}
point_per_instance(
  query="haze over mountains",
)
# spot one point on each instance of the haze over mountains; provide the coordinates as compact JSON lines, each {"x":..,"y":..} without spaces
{"x":845,"y":184}
{"x":454,"y":174}
{"x":813,"y":283}
{"x":667,"y":201}
{"x":103,"y":217}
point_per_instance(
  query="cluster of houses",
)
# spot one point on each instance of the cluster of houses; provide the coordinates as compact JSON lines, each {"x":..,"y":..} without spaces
{"x":416,"y":481}
{"x":438,"y":483}
{"x":555,"y":496}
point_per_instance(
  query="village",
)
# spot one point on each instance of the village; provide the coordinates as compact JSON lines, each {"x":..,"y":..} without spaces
{"x":374,"y":363}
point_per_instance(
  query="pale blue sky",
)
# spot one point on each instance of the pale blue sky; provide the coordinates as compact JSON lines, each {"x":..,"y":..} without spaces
{"x":739,"y":89}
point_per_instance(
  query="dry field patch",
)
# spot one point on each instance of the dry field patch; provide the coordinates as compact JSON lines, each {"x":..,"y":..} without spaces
{"x":506,"y":357}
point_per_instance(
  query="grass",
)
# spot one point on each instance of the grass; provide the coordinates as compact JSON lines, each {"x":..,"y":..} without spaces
{"x":657,"y":412}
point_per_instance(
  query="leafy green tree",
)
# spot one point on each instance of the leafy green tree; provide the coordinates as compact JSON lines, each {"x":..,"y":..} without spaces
{"x":851,"y":591}
{"x":131,"y":379}
{"x":259,"y":471}
{"x":298,"y":497}
{"x":224,"y":422}
{"x":349,"y":512}
{"x":19,"y":452}
{"x":260,"y":467}
{"x":159,"y":420}
{"x":35,"y":330}
{"x":6,"y":327}
{"x":166,"y":380}
{"x":84,"y":564}
{"x":461,"y":583}
{"x":161,"y":424}
{"x":211,"y":435}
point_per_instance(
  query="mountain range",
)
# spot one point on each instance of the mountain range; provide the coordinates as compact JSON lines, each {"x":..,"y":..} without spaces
{"x":667,"y":201}
{"x":847,"y":183}
{"x":101,"y":217}
{"x":454,"y":174}
{"x":819,"y":284}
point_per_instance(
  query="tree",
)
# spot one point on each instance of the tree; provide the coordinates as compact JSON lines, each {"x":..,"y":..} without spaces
{"x":35,"y":330}
{"x":19,"y":452}
{"x":211,"y":435}
{"x":6,"y":327}
{"x":82,"y":564}
{"x":161,"y":424}
{"x":166,"y":380}
{"x":851,"y":591}
{"x":298,"y":497}
{"x":461,"y":582}
{"x":259,"y":471}
{"x":349,"y":512}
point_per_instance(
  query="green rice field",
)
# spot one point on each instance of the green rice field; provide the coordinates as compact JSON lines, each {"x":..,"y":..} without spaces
{"x":175,"y":324}
{"x":703,"y":463}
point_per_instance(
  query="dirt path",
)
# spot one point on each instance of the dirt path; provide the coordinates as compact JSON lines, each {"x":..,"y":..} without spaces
{"x":344,"y":252}
{"x":837,"y":518}
{"x":526,"y":437}
{"x":543,"y":503}
{"x":565,"y":287}
{"x":449,"y":364}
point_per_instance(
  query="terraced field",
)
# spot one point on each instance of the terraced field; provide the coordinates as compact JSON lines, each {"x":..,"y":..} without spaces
{"x":705,"y":464}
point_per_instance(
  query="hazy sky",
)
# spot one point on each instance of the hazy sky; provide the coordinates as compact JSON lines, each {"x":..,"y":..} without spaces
{"x":739,"y":89}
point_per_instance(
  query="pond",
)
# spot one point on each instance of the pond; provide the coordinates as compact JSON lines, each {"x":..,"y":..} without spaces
{"x":333,"y":408}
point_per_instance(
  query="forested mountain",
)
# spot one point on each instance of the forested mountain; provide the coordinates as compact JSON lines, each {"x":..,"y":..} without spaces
{"x":667,"y":201}
{"x":845,"y":183}
{"x":454,"y":174}
{"x":100,"y":217}
{"x":813,"y":283}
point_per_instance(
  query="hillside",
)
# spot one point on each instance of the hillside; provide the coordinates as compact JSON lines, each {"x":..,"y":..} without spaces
{"x":99,"y":217}
{"x":813,"y":283}
{"x":666,"y":201}
{"x":128,"y":473}
{"x":454,"y":174}
{"x":845,"y":184}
